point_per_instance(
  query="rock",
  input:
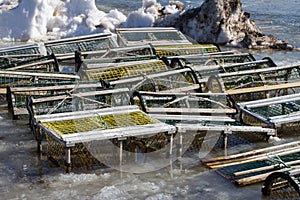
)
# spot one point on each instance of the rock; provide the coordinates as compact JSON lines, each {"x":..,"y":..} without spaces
{"x":222,"y":22}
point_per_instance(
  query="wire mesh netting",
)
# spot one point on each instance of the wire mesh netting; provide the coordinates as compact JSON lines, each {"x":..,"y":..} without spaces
{"x":274,"y":76}
{"x":156,"y":100}
{"x":18,"y":94}
{"x":21,"y":49}
{"x":79,"y":100}
{"x":98,"y":122}
{"x":81,"y":158}
{"x":130,"y":70}
{"x":8,"y":78}
{"x":268,"y":165}
{"x":274,"y":110}
{"x":35,"y":64}
{"x":186,"y":49}
{"x":217,"y":59}
{"x":149,"y":36}
{"x":82,"y":45}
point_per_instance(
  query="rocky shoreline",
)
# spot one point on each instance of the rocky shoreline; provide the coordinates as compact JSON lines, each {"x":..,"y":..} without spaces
{"x":222,"y":22}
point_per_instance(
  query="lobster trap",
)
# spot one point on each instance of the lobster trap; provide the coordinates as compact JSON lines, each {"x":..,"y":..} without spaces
{"x":283,"y":185}
{"x":38,"y":64}
{"x":76,"y":100}
{"x":196,"y":112}
{"x":259,"y":83}
{"x":274,"y":112}
{"x":8,"y":78}
{"x":17,"y":94}
{"x":179,"y":80}
{"x":119,"y":54}
{"x":185,"y":49}
{"x":72,"y":130}
{"x":218,"y":58}
{"x":115,"y":71}
{"x":27,"y":49}
{"x":82,"y":44}
{"x":153,"y":35}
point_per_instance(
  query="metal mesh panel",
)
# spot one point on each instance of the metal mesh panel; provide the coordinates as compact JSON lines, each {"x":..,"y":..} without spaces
{"x":277,"y":109}
{"x":98,"y":122}
{"x":45,"y":63}
{"x":270,"y":77}
{"x":218,"y":59}
{"x":114,"y":73}
{"x":229,"y":171}
{"x":81,"y":158}
{"x":186,"y":49}
{"x":19,"y":97}
{"x":167,"y":35}
{"x":18,"y":50}
{"x":7,"y":78}
{"x":85,"y":45}
{"x":181,"y":101}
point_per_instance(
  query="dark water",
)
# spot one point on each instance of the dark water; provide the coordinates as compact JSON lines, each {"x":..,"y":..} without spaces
{"x":24,"y":175}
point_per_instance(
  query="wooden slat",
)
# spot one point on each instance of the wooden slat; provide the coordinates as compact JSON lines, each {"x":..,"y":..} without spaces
{"x":192,"y":110}
{"x":192,"y":118}
{"x":262,"y":88}
{"x":56,"y":87}
{"x":79,"y":94}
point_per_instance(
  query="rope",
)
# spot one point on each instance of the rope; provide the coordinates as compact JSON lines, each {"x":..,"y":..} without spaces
{"x":62,"y":101}
{"x":102,"y":121}
{"x":91,"y":100}
{"x":206,"y":99}
{"x":275,"y":159}
{"x":175,"y":101}
{"x":58,"y":105}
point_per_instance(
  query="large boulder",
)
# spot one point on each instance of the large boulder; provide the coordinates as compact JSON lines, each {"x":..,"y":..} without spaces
{"x":222,"y":22}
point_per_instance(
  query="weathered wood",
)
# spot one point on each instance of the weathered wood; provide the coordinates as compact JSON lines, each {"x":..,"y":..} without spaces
{"x":31,"y":64}
{"x":192,"y":111}
{"x":252,"y":153}
{"x":263,"y":88}
{"x":255,"y":170}
{"x":16,"y":104}
{"x":258,"y":71}
{"x":192,"y":118}
{"x":260,"y":177}
{"x":55,"y":87}
{"x":80,"y":94}
{"x":252,"y":158}
{"x":270,"y":101}
{"x":38,"y":74}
